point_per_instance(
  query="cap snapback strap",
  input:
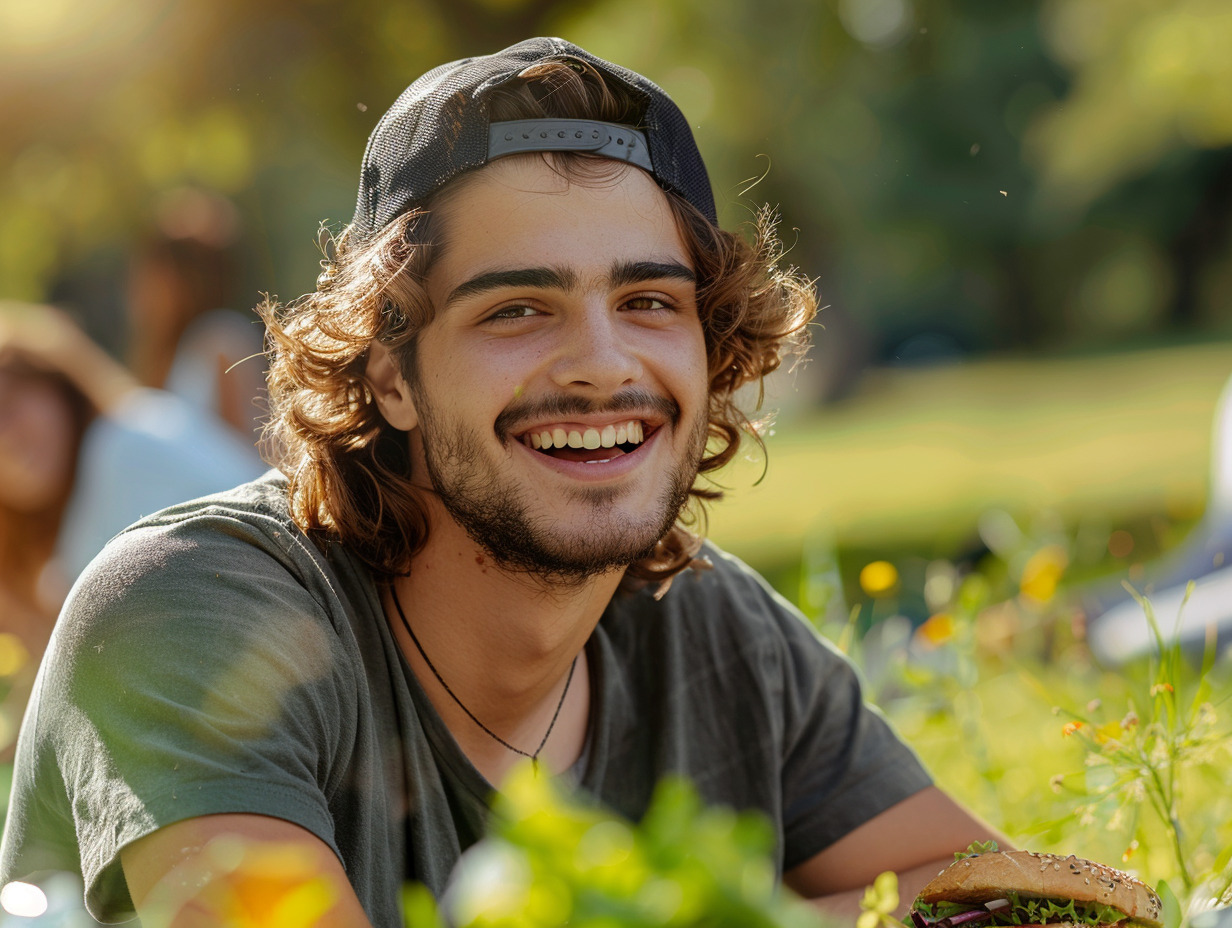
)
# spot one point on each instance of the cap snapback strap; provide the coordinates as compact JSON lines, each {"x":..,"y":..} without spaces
{"x":601,"y":138}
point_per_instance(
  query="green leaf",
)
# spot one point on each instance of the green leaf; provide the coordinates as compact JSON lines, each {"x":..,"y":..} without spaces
{"x":1171,"y":915}
{"x":868,"y":919}
{"x":419,"y":908}
{"x":886,"y":887}
{"x":881,"y":898}
{"x":976,"y":848}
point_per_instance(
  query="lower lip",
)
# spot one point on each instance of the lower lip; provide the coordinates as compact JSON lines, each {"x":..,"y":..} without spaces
{"x":595,"y":471}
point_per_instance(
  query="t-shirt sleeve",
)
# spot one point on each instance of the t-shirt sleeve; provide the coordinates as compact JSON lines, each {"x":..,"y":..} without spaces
{"x":844,"y":763}
{"x":192,"y":673}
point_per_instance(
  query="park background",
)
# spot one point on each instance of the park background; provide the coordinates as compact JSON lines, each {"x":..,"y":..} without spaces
{"x":1018,"y":217}
{"x":1017,"y":212}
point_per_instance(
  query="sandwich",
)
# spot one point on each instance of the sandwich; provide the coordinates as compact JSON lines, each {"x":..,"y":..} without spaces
{"x":1019,"y":888}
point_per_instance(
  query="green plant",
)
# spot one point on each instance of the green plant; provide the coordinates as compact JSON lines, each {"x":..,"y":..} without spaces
{"x":880,"y":902}
{"x":975,"y":689}
{"x":551,"y":860}
{"x":1163,"y":753}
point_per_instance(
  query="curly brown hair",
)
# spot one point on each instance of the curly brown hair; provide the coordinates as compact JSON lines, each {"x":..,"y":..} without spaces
{"x":349,"y":471}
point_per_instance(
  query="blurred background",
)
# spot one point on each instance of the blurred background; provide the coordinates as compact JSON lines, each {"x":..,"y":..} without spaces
{"x":1018,"y":214}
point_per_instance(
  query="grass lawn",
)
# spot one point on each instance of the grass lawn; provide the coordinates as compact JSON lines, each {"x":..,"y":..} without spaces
{"x":919,"y":454}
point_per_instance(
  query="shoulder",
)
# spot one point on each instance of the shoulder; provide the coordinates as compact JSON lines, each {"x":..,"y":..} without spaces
{"x":729,"y":597}
{"x":151,"y":452}
{"x":225,"y":562}
{"x":719,"y":614}
{"x":220,"y":605}
{"x":260,"y":504}
{"x":249,"y":519}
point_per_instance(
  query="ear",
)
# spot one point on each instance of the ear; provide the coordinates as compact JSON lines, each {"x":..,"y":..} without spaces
{"x":389,"y":388}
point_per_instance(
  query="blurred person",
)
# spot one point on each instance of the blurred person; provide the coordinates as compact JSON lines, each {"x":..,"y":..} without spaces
{"x":43,"y":417}
{"x":84,"y":451}
{"x":53,"y":384}
{"x":494,"y":415}
{"x":182,"y":336}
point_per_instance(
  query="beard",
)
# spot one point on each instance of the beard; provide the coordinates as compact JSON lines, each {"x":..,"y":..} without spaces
{"x":493,"y":511}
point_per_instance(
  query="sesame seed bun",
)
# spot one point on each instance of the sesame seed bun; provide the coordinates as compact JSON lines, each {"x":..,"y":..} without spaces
{"x":984,"y":877}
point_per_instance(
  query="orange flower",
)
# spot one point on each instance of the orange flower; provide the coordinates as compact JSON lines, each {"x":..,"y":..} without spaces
{"x":278,"y":886}
{"x":260,"y":886}
{"x":937,"y":630}
{"x":1070,"y":728}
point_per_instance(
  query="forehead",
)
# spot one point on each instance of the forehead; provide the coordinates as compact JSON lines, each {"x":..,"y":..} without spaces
{"x":525,"y":211}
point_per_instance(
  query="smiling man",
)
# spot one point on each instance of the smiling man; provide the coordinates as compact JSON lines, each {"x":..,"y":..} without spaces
{"x":494,"y":416}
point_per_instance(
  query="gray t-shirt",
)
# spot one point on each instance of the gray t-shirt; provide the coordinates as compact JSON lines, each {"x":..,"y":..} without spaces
{"x":213,"y":659}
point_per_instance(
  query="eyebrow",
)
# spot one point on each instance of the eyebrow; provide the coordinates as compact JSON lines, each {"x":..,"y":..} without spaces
{"x":622,"y":274}
{"x":635,"y":272}
{"x":540,"y":278}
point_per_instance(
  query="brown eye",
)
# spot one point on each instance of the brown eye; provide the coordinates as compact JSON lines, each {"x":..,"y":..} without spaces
{"x":514,"y":312}
{"x":644,"y":303}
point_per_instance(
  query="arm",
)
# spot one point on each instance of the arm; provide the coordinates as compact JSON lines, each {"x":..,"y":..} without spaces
{"x":206,"y":871}
{"x":916,"y":838}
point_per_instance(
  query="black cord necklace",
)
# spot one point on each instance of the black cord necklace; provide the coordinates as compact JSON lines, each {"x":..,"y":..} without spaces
{"x":534,"y":758}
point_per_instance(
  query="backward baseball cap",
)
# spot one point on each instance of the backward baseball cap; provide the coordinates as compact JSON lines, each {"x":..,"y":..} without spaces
{"x":439,"y":128}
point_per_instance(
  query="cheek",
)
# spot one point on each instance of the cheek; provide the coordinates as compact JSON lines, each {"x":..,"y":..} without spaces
{"x":692,"y":364}
{"x":50,"y":425}
{"x":36,"y":450}
{"x":478,"y":381}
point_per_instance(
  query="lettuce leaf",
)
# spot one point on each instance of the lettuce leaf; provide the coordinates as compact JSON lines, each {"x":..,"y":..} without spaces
{"x":1027,"y":910}
{"x":976,"y":848}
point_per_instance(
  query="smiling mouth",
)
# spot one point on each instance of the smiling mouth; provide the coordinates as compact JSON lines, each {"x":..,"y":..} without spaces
{"x":588,"y":444}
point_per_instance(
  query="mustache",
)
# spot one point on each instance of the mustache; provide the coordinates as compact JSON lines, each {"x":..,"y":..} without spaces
{"x":564,"y":405}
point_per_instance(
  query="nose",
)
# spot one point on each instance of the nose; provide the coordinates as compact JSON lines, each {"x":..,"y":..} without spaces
{"x":597,"y":351}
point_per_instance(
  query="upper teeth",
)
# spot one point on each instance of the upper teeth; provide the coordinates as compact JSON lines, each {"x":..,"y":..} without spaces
{"x":607,"y":437}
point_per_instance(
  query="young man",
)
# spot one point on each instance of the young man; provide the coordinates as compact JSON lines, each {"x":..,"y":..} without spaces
{"x":492,"y":415}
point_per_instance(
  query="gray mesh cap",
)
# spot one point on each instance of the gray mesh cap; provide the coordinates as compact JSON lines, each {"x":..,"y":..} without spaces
{"x":439,"y":128}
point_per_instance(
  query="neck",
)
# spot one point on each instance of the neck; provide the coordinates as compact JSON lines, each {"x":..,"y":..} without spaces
{"x":504,"y":643}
